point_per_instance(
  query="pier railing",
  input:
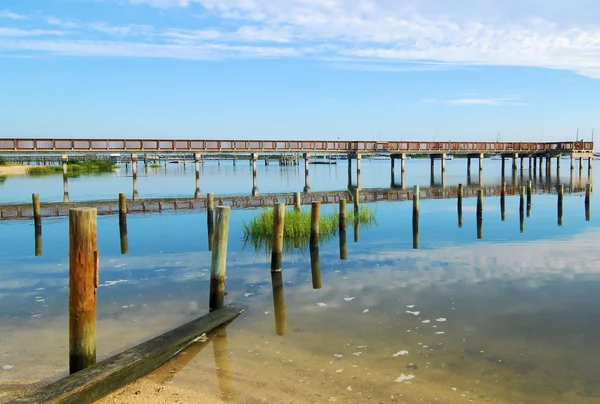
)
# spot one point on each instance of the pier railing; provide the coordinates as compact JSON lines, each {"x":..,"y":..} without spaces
{"x":276,"y":146}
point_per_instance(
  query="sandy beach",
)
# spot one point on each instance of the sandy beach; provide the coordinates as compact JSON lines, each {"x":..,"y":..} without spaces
{"x":13,"y":170}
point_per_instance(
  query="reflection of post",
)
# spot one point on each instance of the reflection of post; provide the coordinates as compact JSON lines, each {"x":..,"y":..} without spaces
{"x":342,"y":230}
{"x":415,"y":217}
{"x":392,"y":170}
{"x":503,"y":201}
{"x":503,"y":165}
{"x":529,"y":191}
{"x":561,"y":191}
{"x":83,"y":287}
{"x":534,"y":166}
{"x":197,"y":169}
{"x":306,"y":184}
{"x":134,"y":171}
{"x":514,"y":162}
{"x":210,"y":218}
{"x":356,"y":213}
{"x":219,"y":259}
{"x":349,"y":170}
{"x":459,"y":204}
{"x":315,"y":266}
{"x":279,"y":303}
{"x":402,"y":180}
{"x":65,"y":179}
{"x":480,"y":213}
{"x":587,"y":202}
{"x":221,"y":355}
{"x":37,"y":223}
{"x":123,"y":223}
{"x":522,"y":209}
{"x":480,"y":179}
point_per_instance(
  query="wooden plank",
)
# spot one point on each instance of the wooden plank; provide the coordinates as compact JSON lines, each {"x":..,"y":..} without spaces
{"x":94,"y":382}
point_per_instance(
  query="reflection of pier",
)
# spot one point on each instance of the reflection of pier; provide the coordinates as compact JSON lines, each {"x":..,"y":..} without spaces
{"x":18,"y":211}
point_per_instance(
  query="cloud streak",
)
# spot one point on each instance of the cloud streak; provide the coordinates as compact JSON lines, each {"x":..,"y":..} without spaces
{"x":375,"y":35}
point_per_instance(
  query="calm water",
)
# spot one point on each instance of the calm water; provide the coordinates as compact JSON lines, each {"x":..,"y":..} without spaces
{"x":511,"y":318}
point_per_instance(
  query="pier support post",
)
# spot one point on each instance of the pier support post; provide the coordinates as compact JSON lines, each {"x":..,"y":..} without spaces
{"x":65,"y":159}
{"x":521,"y":163}
{"x":589,"y":163}
{"x":572,"y":162}
{"x":37,"y":223}
{"x":210,"y":219}
{"x":218,"y":263}
{"x":468,"y":166}
{"x":514,"y":161}
{"x":134,"y":172}
{"x":529,"y":192}
{"x":253,"y":158}
{"x":306,"y":178}
{"x":197,"y":170}
{"x":522,"y":209}
{"x":402,"y":162}
{"x":123,"y":223}
{"x":392,"y":171}
{"x":503,"y":165}
{"x":83,"y":287}
{"x":481,"y":155}
{"x":349,"y":159}
{"x":358,"y":173}
{"x":534,"y":165}
{"x":443,"y":164}
{"x":297,"y":201}
{"x":530,"y":164}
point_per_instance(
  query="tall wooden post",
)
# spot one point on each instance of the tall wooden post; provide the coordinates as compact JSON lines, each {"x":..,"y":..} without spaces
{"x":459,"y":205}
{"x":468,"y":166}
{"x":480,"y":213}
{"x":481,"y":155}
{"x":83,"y":285}
{"x":415,"y":217}
{"x":306,"y":182}
{"x":522,"y":209}
{"x":503,"y":165}
{"x":218,"y":265}
{"x":210,"y":218}
{"x":587,"y":202}
{"x":297,"y":201}
{"x":315,"y":216}
{"x":37,"y":223}
{"x":277,"y":242}
{"x":503,"y":201}
{"x":342,"y":230}
{"x":123,"y":223}
{"x":561,"y":193}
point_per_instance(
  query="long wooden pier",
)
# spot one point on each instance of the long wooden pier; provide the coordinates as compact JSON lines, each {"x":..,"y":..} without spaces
{"x":141,"y":146}
{"x":25,"y":211}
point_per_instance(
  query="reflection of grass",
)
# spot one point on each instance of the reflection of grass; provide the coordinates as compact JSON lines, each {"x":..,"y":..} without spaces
{"x":296,"y":229}
{"x":155,"y":165}
{"x":75,"y":167}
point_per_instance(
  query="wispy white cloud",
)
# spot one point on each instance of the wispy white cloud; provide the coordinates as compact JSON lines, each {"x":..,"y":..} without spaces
{"x":376,"y":35}
{"x":485,"y":101}
{"x":11,"y":16}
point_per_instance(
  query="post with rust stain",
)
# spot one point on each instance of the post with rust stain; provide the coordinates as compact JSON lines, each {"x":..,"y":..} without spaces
{"x":277,"y":244}
{"x":315,"y":265}
{"x":522,"y":209}
{"x":83,"y":285}
{"x":37,"y":223}
{"x":561,"y":194}
{"x":529,"y":192}
{"x":503,"y":201}
{"x":210,"y":218}
{"x":415,"y":218}
{"x":587,"y":202}
{"x":459,"y":205}
{"x":297,"y":201}
{"x":219,"y":258}
{"x":480,"y":213}
{"x":342,"y":230}
{"x":123,"y":223}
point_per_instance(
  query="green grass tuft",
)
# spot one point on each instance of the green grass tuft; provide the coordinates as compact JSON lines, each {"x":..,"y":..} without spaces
{"x":75,"y":167}
{"x":296,"y":228}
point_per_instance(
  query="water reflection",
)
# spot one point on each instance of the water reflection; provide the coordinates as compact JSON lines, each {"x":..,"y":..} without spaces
{"x":221,"y":355}
{"x":279,"y":303}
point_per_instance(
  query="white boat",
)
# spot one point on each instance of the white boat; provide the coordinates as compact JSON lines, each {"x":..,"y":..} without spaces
{"x":496,"y":157}
{"x":449,"y":157}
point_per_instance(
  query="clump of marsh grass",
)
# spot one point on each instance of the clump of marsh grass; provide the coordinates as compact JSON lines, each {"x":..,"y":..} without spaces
{"x":258,"y":232}
{"x":75,"y":167}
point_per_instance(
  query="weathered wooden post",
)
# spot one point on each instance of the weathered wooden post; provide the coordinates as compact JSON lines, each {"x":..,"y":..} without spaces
{"x":197,"y":157}
{"x":297,"y":201}
{"x":480,"y":213}
{"x":315,"y":216}
{"x":522,"y":209}
{"x":218,"y":265}
{"x":356,"y":200}
{"x":561,"y":193}
{"x":37,"y":223}
{"x":83,"y":285}
{"x":279,"y":303}
{"x":587,"y":202}
{"x":134,"y":174}
{"x":210,"y":218}
{"x":277,"y":241}
{"x":529,"y":193}
{"x":459,"y":205}
{"x":123,"y":223}
{"x":342,"y":230}
{"x":415,"y":217}
{"x":503,"y":201}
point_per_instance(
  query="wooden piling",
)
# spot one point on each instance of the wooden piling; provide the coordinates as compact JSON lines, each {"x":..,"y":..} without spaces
{"x":529,"y":193}
{"x":315,"y":216}
{"x":277,"y":250}
{"x":459,"y":204}
{"x":522,"y":209}
{"x":561,"y":193}
{"x":37,"y":223}
{"x":415,"y":217}
{"x":83,"y":285}
{"x":503,"y":201}
{"x":356,"y":197}
{"x":297,"y":201}
{"x":480,"y":213}
{"x":123,"y":223}
{"x":219,"y":258}
{"x":279,"y":303}
{"x":342,"y":230}
{"x":210,"y":218}
{"x":587,"y":202}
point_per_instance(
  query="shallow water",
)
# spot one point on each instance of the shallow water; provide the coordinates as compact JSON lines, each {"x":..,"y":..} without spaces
{"x":511,"y":318}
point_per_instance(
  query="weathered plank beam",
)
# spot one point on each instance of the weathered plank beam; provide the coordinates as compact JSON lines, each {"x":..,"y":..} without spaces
{"x":94,"y":382}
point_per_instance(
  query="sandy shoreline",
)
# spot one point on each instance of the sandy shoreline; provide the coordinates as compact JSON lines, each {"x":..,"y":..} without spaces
{"x":14,"y":170}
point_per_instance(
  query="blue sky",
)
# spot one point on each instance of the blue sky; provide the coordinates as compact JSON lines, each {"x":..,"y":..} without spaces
{"x":382,"y":69}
